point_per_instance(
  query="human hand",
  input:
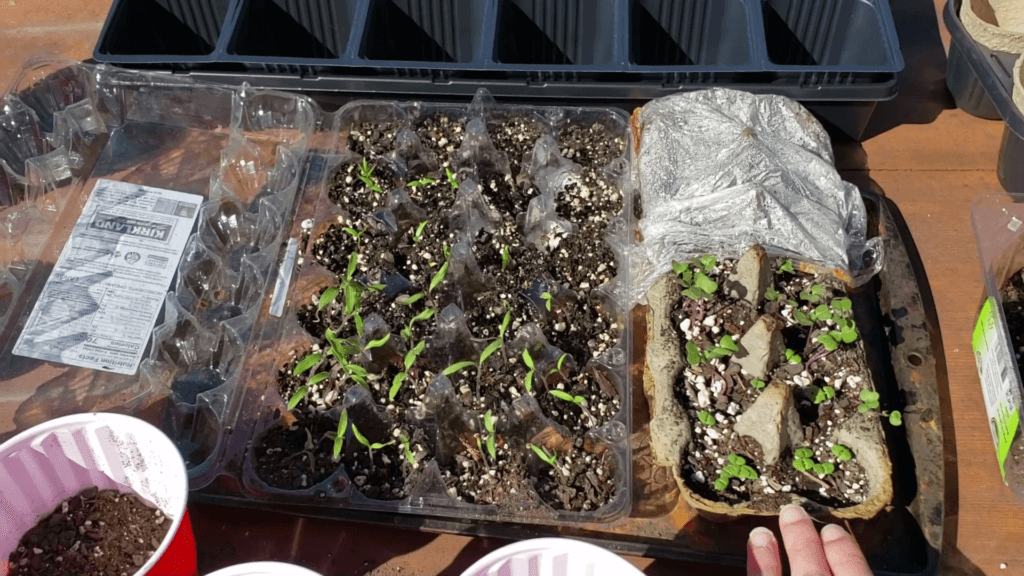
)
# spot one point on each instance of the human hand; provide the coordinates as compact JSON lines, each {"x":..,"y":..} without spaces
{"x":834,"y":553}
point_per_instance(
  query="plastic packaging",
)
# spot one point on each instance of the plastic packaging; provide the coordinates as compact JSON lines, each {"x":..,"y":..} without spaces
{"x":264,"y":569}
{"x":981,"y":82}
{"x":554,"y":556}
{"x":52,"y":462}
{"x":722,"y":170}
{"x":998,"y":220}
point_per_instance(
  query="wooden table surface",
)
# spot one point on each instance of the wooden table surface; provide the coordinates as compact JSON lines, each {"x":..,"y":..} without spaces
{"x":929,"y":158}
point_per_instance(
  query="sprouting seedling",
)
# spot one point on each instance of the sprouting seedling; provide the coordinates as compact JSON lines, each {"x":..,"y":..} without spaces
{"x":459,"y":367}
{"x":421,"y":182}
{"x":824,"y":394}
{"x":792,"y":357}
{"x":339,"y":436}
{"x":823,"y":468}
{"x":407,"y":449}
{"x":772,"y":295}
{"x":491,"y":442}
{"x":803,"y":459}
{"x":370,"y":447}
{"x":842,"y":304}
{"x":297,"y":397}
{"x":821,"y":313}
{"x":706,"y":418}
{"x":558,"y":367}
{"x":366,"y":175}
{"x":490,"y":350}
{"x":505,"y":322}
{"x":378,"y":342}
{"x":505,"y":257}
{"x":528,"y":379}
{"x":440,"y":274}
{"x":577,"y":400}
{"x":550,"y":459}
{"x":703,"y":287}
{"x":357,"y":234}
{"x":401,"y":377}
{"x":758,"y":384}
{"x":814,"y":295}
{"x":693,"y":355}
{"x":547,"y":298}
{"x":803,"y":318}
{"x":786,"y":266}
{"x":327,"y":297}
{"x":708,"y":262}
{"x":421,"y":317}
{"x":737,"y":468}
{"x":726,"y":347}
{"x":842,"y":453}
{"x":418,"y":235}
{"x":869,"y":401}
{"x":896,"y":418}
{"x":451,"y":178}
{"x":307,"y":363}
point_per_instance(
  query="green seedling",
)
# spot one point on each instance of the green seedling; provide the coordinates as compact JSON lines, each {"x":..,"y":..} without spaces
{"x":418,"y":235}
{"x":370,"y":447}
{"x":407,"y":449}
{"x":896,"y":418}
{"x":803,"y":459}
{"x":366,"y":175}
{"x":550,"y":459}
{"x":490,"y":350}
{"x":421,"y":182}
{"x":803,"y":318}
{"x":297,"y":397}
{"x":358,"y":320}
{"x":357,"y":234}
{"x":771,"y":295}
{"x":786,"y":266}
{"x":407,"y":300}
{"x":821,"y":313}
{"x":842,"y":453}
{"x":577,"y":400}
{"x":547,"y":298}
{"x":792,"y":357}
{"x":451,"y":178}
{"x":327,"y":297}
{"x":869,"y":401}
{"x":684,"y":273}
{"x":459,"y":367}
{"x":758,"y":384}
{"x":491,"y":442}
{"x":814,"y":295}
{"x":505,"y":322}
{"x":440,"y":274}
{"x":339,"y":436}
{"x":737,"y":468}
{"x":421,"y":317}
{"x":306,"y":363}
{"x":506,"y":256}
{"x":726,"y":347}
{"x":706,"y":418}
{"x":824,"y":468}
{"x":702,"y":288}
{"x":378,"y":342}
{"x":401,"y":377}
{"x":842,"y":304}
{"x":558,"y":367}
{"x":693,"y":355}
{"x":528,"y":379}
{"x":318,"y":378}
{"x":824,"y":394}
{"x":708,"y":262}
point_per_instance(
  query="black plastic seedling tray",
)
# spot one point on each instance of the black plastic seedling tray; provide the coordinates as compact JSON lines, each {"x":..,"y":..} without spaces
{"x":841,"y":56}
{"x":981,"y":81}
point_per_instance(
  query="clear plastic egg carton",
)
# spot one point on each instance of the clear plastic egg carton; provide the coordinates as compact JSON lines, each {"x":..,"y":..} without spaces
{"x":64,"y":127}
{"x":418,"y":350}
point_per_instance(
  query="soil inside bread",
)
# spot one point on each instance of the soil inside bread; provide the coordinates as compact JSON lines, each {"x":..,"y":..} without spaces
{"x":101,"y":532}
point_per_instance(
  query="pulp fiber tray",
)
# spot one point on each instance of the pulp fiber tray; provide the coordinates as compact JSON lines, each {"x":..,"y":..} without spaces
{"x":981,"y":81}
{"x":840,"y":54}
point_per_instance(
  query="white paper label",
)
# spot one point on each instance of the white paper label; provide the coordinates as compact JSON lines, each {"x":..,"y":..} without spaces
{"x":102,"y":298}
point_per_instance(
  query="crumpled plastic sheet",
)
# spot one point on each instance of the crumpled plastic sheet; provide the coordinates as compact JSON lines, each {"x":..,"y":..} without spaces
{"x":720,"y":170}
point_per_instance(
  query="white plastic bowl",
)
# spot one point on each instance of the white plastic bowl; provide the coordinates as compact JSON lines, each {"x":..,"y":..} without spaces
{"x":49,"y":463}
{"x":264,"y":569}
{"x":552,"y":557}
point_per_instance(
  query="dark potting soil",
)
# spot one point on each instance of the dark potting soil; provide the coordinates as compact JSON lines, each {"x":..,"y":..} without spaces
{"x":102,"y":532}
{"x":1013,"y":308}
{"x":551,"y":282}
{"x":373,"y":138}
{"x":583,"y":482}
{"x":721,"y":390}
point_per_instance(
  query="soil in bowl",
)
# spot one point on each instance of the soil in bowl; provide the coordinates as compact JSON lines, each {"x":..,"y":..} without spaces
{"x":102,"y":532}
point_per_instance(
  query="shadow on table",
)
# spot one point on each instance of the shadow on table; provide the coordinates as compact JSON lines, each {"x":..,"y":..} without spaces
{"x":922,"y":84}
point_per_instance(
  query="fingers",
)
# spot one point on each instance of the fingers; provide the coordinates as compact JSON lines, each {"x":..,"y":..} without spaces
{"x":842,"y":553}
{"x":763,"y":554}
{"x":806,"y":555}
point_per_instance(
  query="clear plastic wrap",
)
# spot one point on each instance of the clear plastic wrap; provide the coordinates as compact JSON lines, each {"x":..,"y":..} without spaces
{"x":720,"y":170}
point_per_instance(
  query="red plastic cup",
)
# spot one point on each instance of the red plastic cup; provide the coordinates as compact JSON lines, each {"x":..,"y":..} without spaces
{"x":48,"y":464}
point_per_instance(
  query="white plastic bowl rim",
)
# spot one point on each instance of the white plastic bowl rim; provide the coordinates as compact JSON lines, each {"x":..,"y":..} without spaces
{"x":264,"y":569}
{"x":49,"y":463}
{"x":552,"y":557}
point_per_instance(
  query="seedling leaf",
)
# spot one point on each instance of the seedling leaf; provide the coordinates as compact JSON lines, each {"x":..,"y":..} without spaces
{"x":562,"y":395}
{"x":863,"y":408}
{"x":737,"y":459}
{"x":359,"y":324}
{"x":803,"y":453}
{"x":869,"y":396}
{"x":318,"y":378}
{"x":706,"y":418}
{"x":692,"y":354}
{"x":359,"y":436}
{"x":721,"y":484}
{"x":411,"y":355}
{"x":306,"y":363}
{"x":842,"y":304}
{"x":758,"y":384}
{"x":842,"y":453}
{"x":828,"y":341}
{"x":505,"y":323}
{"x":409,"y":456}
{"x":378,"y":342}
{"x":327,"y":297}
{"x":458,"y":367}
{"x":396,"y":385}
{"x":505,"y":257}
{"x":438,"y":276}
{"x":704,"y":283}
{"x":786,"y":266}
{"x":422,"y":316}
{"x":541,"y":453}
{"x":771,"y":295}
{"x":821,"y":312}
{"x":729,"y":344}
{"x":451,"y":178}
{"x":679,"y":267}
{"x":489,"y":422}
{"x":528,"y":359}
{"x":297,"y":397}
{"x":896,"y":418}
{"x":418,"y":235}
{"x":803,"y":318}
{"x":353,"y":263}
{"x":339,"y":436}
{"x":491,"y":349}
{"x":708,"y":262}
{"x":410,"y":300}
{"x":547,"y":297}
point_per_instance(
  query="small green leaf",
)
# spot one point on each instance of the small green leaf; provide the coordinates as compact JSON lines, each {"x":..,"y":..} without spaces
{"x":411,"y":355}
{"x":492,"y":447}
{"x":359,"y":436}
{"x":863,"y":408}
{"x":318,"y":378}
{"x":378,"y":446}
{"x":803,"y":318}
{"x":706,"y":418}
{"x":297,"y":397}
{"x":438,"y":276}
{"x":792,"y":303}
{"x":679,"y":267}
{"x":731,"y":471}
{"x":694,"y":293}
{"x":817,"y":290}
{"x":828,"y":342}
{"x":825,"y":468}
{"x":489,"y":422}
{"x":869,"y":396}
{"x":406,"y":333}
{"x":351,"y":299}
{"x":505,"y":257}
{"x":406,"y":300}
{"x":822,"y":312}
{"x":896,"y":418}
{"x":353,"y":232}
{"x":737,"y":459}
{"x":849,"y":336}
{"x":491,"y":349}
{"x":376,"y":287}
{"x":505,"y":323}
{"x":561,"y":360}
{"x":359,"y":324}
{"x":748,"y":473}
{"x":327,"y":297}
{"x":378,"y":342}
{"x":353,"y":263}
{"x":842,"y":453}
{"x":458,"y":367}
{"x":758,"y":384}
{"x":809,"y":296}
{"x":451,"y":178}
{"x":422,"y":316}
{"x":547,"y":297}
{"x":729,"y":344}
{"x":528,"y":381}
{"x":421,"y":182}
{"x":692,"y":354}
{"x":562,"y":395}
{"x":419,"y":231}
{"x":830,"y":392}
{"x":396,"y":385}
{"x":721,"y":484}
{"x":708,"y":262}
{"x":842,"y":305}
{"x":407,"y":445}
{"x":528,"y":359}
{"x":306,"y":363}
{"x":819,"y":395}
{"x":803,"y":452}
{"x":704,"y":283}
{"x":771,"y":295}
{"x":543,"y":454}
{"x":786,"y":266}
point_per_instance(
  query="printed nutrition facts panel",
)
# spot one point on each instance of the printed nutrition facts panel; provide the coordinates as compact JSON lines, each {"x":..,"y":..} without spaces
{"x":100,"y":303}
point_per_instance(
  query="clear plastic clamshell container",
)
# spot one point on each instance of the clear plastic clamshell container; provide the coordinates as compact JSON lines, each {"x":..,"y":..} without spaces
{"x":474,"y":352}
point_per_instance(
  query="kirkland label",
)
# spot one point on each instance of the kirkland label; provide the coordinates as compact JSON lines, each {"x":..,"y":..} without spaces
{"x":103,"y":296}
{"x":1002,"y":397}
